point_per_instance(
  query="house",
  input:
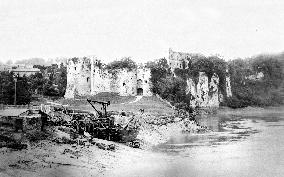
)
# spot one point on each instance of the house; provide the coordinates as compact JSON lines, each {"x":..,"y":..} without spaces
{"x":22,"y":119}
{"x":25,"y":71}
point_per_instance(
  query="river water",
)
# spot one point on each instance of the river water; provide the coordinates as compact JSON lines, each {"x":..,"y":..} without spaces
{"x":237,"y":145}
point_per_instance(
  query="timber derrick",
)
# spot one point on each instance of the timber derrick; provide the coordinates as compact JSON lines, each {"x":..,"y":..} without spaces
{"x":98,"y":125}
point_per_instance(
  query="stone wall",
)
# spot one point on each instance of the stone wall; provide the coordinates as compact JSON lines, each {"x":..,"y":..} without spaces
{"x":78,"y":77}
{"x":176,"y":59}
{"x":87,"y":77}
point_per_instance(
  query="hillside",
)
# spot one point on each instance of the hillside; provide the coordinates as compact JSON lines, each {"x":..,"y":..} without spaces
{"x":118,"y":103}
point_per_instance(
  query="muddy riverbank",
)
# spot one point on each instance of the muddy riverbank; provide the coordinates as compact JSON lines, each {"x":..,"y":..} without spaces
{"x":242,"y":142}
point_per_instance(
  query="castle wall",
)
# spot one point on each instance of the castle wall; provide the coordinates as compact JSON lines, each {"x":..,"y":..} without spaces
{"x":127,"y":82}
{"x":78,"y":78}
{"x":144,"y":75}
{"x":176,"y":59}
{"x":86,"y":77}
{"x":101,"y":81}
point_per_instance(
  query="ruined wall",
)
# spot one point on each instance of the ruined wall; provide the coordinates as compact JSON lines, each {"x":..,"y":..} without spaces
{"x":88,"y":77}
{"x":101,"y":80}
{"x":127,"y":82}
{"x":143,"y":80}
{"x":78,"y":77}
{"x":176,"y":59}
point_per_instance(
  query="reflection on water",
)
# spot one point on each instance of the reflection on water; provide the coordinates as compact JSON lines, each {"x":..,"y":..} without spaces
{"x":222,"y":130}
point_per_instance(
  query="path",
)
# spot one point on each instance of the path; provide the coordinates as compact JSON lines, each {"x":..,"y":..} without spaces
{"x":137,"y":99}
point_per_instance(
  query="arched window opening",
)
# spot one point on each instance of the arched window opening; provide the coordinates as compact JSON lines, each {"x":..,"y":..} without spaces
{"x":139,"y":91}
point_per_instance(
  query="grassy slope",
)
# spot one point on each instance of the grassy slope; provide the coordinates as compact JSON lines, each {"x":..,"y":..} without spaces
{"x":120,"y":103}
{"x":150,"y":105}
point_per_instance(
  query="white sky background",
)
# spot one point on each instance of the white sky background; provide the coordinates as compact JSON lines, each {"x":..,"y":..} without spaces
{"x":144,"y":30}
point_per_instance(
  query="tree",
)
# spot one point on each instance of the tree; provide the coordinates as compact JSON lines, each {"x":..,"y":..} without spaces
{"x":37,"y":82}
{"x":62,"y":80}
{"x":124,"y":63}
{"x":23,"y":93}
{"x":7,"y":87}
{"x":259,"y":92}
{"x":159,"y":70}
{"x":48,"y":88}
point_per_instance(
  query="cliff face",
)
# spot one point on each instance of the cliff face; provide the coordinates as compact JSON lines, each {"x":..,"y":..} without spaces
{"x":86,"y":77}
{"x":205,"y":93}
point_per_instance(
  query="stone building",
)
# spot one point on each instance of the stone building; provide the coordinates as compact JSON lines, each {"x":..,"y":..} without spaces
{"x":87,"y":76}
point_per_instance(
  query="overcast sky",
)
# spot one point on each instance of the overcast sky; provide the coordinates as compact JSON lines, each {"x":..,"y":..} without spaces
{"x":144,"y":30}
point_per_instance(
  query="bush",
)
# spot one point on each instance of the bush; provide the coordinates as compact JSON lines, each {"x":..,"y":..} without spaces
{"x":124,"y":63}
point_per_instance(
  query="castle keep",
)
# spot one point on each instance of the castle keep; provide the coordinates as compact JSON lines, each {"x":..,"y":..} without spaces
{"x":87,"y":76}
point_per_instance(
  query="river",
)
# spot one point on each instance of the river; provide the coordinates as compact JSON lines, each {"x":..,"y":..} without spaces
{"x":242,"y":143}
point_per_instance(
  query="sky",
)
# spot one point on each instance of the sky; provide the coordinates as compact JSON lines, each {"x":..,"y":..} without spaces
{"x":143,"y":30}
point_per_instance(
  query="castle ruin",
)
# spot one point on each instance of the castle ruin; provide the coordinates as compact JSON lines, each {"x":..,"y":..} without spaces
{"x":87,"y":76}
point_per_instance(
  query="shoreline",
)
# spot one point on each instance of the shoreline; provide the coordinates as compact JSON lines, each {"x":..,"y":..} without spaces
{"x":47,"y":158}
